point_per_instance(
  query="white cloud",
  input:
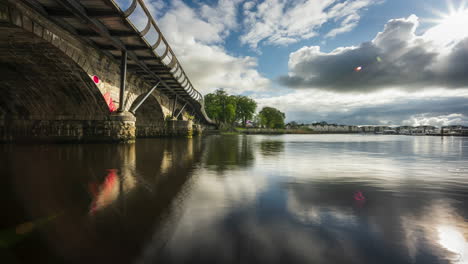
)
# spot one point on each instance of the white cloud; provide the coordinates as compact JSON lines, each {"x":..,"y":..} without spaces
{"x":223,"y":15}
{"x":197,"y":35}
{"x":281,"y":22}
{"x":396,"y":57}
{"x":392,"y":106}
{"x":157,"y":6}
{"x":248,"y":5}
{"x":346,"y":12}
{"x":442,"y":120}
{"x":183,"y":23}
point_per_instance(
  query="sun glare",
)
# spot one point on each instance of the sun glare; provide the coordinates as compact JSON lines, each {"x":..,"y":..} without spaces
{"x":450,"y":27}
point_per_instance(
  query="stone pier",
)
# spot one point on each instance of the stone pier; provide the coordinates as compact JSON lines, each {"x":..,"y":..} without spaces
{"x":115,"y":128}
{"x":119,"y":127}
{"x":177,"y":128}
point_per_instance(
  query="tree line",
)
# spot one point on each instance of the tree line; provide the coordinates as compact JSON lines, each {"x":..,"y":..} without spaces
{"x":234,"y":110}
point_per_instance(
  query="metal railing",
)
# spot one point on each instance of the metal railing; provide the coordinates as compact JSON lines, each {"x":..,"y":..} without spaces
{"x":161,"y":48}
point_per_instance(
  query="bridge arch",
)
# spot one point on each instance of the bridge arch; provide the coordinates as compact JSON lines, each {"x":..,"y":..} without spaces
{"x":150,"y":117}
{"x":179,"y":115}
{"x":47,"y":68}
{"x":44,"y":91}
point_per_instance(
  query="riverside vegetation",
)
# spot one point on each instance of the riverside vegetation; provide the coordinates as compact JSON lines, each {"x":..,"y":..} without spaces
{"x":234,"y":113}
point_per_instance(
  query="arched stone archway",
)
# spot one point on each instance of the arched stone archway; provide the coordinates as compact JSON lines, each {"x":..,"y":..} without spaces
{"x":149,"y":117}
{"x":46,"y":94}
{"x":179,"y":116}
{"x":40,"y":82}
{"x":153,"y":120}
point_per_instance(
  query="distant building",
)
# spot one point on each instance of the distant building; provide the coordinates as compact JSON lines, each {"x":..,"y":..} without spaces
{"x":423,"y":130}
{"x":323,"y":127}
{"x":367,"y":129}
{"x":456,"y":130}
{"x":390,"y":131}
{"x":381,"y":129}
{"x":404,"y":130}
{"x":353,"y":129}
{"x":318,"y":127}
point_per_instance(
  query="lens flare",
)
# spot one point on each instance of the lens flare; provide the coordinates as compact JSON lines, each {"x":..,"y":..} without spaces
{"x":358,"y":196}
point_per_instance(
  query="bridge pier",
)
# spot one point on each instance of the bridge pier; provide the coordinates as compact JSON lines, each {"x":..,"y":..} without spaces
{"x":179,"y":127}
{"x":116,"y":128}
{"x":121,"y":127}
{"x":166,"y":128}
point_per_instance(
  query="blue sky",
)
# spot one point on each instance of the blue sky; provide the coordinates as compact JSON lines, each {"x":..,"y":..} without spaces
{"x":300,"y":56}
{"x":273,"y":60}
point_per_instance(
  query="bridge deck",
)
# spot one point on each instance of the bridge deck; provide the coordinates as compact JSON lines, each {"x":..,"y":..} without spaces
{"x":103,"y":24}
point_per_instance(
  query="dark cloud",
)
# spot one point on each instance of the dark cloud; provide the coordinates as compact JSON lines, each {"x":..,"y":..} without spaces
{"x":396,"y":57}
{"x":455,"y":66}
{"x":430,"y":111}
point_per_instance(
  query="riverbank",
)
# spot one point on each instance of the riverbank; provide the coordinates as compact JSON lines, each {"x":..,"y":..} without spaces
{"x":270,"y":131}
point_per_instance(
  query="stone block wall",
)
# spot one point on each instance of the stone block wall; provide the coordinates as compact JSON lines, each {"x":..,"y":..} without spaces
{"x":180,"y":128}
{"x":116,"y":129}
{"x":156,"y":129}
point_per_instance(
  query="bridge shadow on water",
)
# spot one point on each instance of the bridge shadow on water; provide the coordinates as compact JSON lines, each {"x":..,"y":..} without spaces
{"x":91,"y":203}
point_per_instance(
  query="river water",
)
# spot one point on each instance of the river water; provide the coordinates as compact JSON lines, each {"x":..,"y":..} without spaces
{"x":237,"y":199}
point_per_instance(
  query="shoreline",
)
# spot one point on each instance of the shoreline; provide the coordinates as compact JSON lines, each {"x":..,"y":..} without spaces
{"x":263,"y":131}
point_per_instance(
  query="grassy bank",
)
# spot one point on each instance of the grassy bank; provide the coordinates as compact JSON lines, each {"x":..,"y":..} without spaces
{"x":267,"y":131}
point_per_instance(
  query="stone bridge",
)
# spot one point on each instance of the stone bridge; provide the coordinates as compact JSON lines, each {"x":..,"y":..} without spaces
{"x":76,"y":70}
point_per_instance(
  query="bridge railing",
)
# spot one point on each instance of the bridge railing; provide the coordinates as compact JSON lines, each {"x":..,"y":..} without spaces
{"x":136,"y":14}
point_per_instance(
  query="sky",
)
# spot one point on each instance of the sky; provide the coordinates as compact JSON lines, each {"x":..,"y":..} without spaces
{"x":355,"y":62}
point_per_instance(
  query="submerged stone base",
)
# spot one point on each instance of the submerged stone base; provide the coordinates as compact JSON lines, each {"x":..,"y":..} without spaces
{"x":119,"y":127}
{"x":197,"y":129}
{"x":167,"y":128}
{"x":115,"y":128}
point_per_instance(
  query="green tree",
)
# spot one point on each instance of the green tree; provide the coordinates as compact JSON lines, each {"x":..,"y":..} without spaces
{"x":271,"y":117}
{"x":293,"y":124}
{"x":245,"y":108}
{"x":221,"y":107}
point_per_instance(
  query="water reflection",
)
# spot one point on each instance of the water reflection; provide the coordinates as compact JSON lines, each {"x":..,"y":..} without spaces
{"x":398,"y":228}
{"x":303,"y":208}
{"x":269,"y":147}
{"x":228,"y":152}
{"x":243,"y":199}
{"x":112,"y":188}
